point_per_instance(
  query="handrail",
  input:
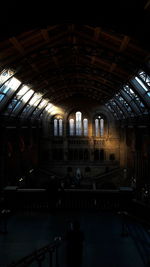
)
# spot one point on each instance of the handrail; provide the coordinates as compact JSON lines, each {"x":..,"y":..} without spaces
{"x":99,"y":178}
{"x":71,"y":198}
{"x":116,"y":170}
{"x":50,"y":173}
{"x":39,"y":255}
{"x":135,"y":218}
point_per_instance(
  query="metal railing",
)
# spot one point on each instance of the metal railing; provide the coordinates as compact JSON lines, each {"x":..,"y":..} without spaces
{"x":48,"y":255}
{"x":68,"y":199}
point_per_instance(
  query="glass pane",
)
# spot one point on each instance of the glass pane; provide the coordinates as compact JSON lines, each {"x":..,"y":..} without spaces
{"x":17,"y":100}
{"x":55,"y":127}
{"x":85,"y":127}
{"x":96,"y":127}
{"x":4,"y":89}
{"x":60,"y":127}
{"x":141,"y":83}
{"x":26,"y":97}
{"x":12,"y":84}
{"x":12,"y":105}
{"x":22,"y":90}
{"x":78,"y":123}
{"x":71,"y":126}
{"x":17,"y":105}
{"x":134,"y":98}
{"x":5,"y":75}
{"x":43,"y":103}
{"x":35,"y":99}
{"x":26,"y":109}
{"x":101,"y":127}
{"x":49,"y":107}
{"x":112,"y":111}
{"x":144,"y":76}
{"x":1,"y":96}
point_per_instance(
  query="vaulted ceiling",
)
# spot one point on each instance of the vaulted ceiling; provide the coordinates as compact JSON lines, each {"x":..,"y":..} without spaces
{"x":68,"y":60}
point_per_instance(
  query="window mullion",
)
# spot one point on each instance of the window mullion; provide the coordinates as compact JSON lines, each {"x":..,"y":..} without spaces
{"x":140,"y":92}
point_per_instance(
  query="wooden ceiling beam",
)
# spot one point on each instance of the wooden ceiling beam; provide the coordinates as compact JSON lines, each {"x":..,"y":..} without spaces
{"x":113,"y":36}
{"x":88,"y":86}
{"x":55,"y":60}
{"x":118,"y":39}
{"x":97,"y":32}
{"x":17,"y":58}
{"x":47,"y":71}
{"x":107,"y":65}
{"x":63,"y":95}
{"x":45,"y":35}
{"x":114,"y":49}
{"x":17,"y":45}
{"x":99,"y":61}
{"x":124,"y":43}
{"x":123,"y":47}
{"x":51,"y":78}
{"x":55,"y":83}
{"x":19,"y":48}
{"x":52,"y":48}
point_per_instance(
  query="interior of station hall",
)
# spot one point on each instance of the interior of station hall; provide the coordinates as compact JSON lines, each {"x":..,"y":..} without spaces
{"x":75,"y":114}
{"x":74,"y":97}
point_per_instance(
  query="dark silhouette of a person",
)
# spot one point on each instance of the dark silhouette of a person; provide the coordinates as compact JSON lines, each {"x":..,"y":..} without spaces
{"x":74,"y":248}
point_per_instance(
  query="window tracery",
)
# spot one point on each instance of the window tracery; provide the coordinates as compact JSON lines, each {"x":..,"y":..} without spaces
{"x":78,"y":125}
{"x":99,"y":126}
{"x":58,"y":127}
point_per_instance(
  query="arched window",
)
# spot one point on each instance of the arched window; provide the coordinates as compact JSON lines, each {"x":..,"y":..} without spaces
{"x":78,"y":123}
{"x":58,"y":127}
{"x":99,"y":126}
{"x":71,"y":126}
{"x":11,"y":85}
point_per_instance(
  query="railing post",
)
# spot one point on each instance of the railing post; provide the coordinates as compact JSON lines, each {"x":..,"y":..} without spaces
{"x":40,"y":259}
{"x":57,"y":264}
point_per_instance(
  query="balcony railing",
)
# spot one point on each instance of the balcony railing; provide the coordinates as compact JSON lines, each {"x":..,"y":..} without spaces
{"x":67,"y":199}
{"x":47,"y":255}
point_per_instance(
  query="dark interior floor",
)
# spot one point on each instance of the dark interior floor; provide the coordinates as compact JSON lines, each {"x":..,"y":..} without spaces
{"x":103,"y":246}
